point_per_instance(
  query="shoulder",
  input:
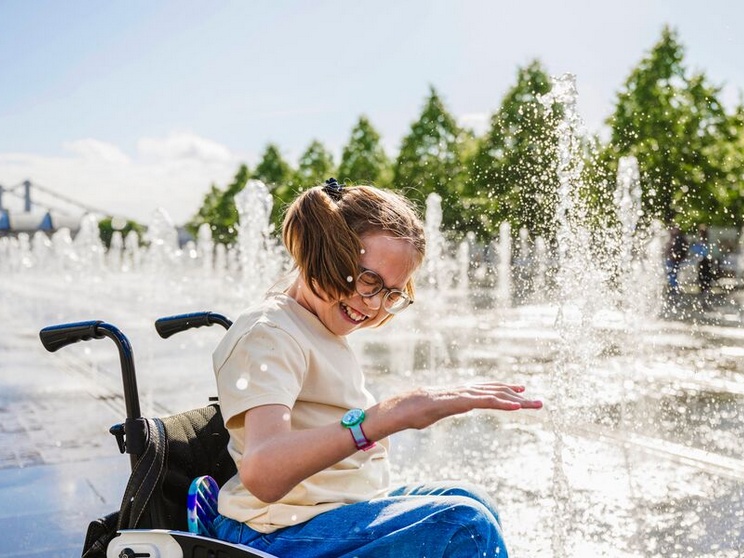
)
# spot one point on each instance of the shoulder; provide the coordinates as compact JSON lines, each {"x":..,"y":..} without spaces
{"x":263,"y":327}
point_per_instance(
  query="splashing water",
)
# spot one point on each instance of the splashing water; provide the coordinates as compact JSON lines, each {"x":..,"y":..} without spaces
{"x":637,"y":452}
{"x":434,"y":270}
{"x":257,"y":250}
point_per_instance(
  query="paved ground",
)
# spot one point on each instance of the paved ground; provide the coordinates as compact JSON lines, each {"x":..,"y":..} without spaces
{"x":59,"y":468}
{"x":46,"y":508}
{"x":52,"y":480}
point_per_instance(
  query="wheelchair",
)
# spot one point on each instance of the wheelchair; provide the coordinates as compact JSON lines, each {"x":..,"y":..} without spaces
{"x":169,"y":457}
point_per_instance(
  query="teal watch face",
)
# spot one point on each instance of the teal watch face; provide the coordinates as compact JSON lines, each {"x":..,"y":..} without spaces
{"x":352,"y":417}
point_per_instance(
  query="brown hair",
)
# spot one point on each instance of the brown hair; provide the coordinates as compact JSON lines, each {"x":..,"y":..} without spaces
{"x":323,"y":233}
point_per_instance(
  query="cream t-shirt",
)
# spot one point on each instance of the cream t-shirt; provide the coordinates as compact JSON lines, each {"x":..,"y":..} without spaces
{"x":280,"y":353}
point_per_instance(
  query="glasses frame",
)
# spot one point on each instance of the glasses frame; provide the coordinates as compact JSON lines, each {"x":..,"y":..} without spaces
{"x":405,"y":296}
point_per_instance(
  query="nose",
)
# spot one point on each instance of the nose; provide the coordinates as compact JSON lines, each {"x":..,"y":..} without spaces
{"x":373,"y":302}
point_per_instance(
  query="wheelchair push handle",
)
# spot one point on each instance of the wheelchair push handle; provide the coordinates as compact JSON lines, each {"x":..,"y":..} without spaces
{"x":57,"y":336}
{"x":171,"y":325}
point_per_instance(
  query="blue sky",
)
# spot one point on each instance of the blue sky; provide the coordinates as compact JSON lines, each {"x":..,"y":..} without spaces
{"x":134,"y":105}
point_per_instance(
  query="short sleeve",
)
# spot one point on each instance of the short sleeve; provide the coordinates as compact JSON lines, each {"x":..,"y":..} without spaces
{"x":265,"y":367}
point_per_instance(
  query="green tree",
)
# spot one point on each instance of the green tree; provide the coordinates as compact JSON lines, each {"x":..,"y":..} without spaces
{"x":512,"y":176}
{"x":274,"y":171}
{"x":106,"y":230}
{"x":430,"y":161}
{"x":315,"y":165}
{"x":363,"y":159}
{"x":672,"y":123}
{"x":727,"y":186}
{"x":218,"y":209}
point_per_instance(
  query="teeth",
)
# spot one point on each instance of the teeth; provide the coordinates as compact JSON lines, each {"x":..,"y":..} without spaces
{"x":353,"y":314}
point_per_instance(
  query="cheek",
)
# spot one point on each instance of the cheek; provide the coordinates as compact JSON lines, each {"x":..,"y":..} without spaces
{"x":377,"y":320}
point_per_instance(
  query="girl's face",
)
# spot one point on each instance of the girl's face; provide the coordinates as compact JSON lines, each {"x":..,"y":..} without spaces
{"x":393,"y":259}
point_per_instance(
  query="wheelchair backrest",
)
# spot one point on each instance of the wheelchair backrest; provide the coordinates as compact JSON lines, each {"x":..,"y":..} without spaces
{"x":179,"y":448}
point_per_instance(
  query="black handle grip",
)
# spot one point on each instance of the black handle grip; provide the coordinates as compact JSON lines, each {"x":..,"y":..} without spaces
{"x":171,"y":325}
{"x":57,"y":336}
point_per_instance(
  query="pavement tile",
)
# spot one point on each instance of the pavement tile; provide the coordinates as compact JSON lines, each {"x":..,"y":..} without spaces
{"x":47,"y":508}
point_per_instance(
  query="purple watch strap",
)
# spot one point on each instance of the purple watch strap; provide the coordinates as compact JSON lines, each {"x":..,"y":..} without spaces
{"x":360,"y":439}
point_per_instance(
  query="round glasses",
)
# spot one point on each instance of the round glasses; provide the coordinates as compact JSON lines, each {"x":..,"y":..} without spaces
{"x":369,"y":284}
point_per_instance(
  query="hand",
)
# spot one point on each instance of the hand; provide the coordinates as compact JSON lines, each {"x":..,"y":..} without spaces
{"x":423,"y":407}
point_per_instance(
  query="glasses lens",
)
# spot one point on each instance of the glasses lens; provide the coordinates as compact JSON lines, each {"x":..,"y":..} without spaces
{"x":396,"y":301}
{"x":368,"y":283}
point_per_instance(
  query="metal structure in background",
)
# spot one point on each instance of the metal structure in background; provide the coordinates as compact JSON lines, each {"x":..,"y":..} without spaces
{"x":37,"y":216}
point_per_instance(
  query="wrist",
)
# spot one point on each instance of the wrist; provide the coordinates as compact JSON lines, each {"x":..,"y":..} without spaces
{"x":352,"y":421}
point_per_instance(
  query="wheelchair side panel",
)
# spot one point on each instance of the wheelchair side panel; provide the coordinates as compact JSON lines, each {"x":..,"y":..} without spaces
{"x":159,"y":543}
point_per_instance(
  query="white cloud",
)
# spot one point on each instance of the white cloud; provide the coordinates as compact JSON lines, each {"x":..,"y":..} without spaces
{"x":173,"y":173}
{"x":96,"y":150}
{"x":183,"y":145}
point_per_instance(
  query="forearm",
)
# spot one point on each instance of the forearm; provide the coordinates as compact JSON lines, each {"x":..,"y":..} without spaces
{"x":278,"y":458}
{"x":276,"y":461}
{"x":401,"y":412}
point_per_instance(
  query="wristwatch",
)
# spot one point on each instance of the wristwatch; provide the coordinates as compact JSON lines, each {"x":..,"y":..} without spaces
{"x":353,"y":420}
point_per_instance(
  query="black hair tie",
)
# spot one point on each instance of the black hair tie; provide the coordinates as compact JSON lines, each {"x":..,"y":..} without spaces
{"x":333,"y":189}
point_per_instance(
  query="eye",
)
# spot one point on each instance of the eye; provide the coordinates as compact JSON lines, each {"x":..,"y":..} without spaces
{"x":395,"y":297}
{"x":368,"y":283}
{"x":397,"y":301}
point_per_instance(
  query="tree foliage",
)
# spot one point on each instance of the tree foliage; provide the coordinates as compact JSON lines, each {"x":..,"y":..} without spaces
{"x":674,"y":124}
{"x":106,"y":230}
{"x":727,"y":186}
{"x":690,"y":154}
{"x":430,"y":161}
{"x":363,"y":159}
{"x":274,"y":171}
{"x":512,"y":177}
{"x":315,"y":165}
{"x":218,"y":209}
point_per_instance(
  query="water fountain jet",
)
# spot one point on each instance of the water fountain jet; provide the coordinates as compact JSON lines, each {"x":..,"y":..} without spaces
{"x":643,"y":420}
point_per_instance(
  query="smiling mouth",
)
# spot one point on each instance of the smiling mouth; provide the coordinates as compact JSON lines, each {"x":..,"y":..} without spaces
{"x":353,"y":314}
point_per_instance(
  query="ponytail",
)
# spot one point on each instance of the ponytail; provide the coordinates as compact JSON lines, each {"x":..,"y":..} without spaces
{"x":321,"y":243}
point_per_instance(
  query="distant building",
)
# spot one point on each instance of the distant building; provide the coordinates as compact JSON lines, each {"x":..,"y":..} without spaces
{"x":13,"y":223}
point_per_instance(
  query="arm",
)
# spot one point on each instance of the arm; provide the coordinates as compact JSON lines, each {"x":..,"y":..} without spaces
{"x":277,"y":458}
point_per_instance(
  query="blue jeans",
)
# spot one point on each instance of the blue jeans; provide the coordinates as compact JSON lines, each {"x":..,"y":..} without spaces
{"x":434,"y":520}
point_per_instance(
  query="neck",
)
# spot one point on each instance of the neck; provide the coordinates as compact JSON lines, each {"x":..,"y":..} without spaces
{"x":299,"y":290}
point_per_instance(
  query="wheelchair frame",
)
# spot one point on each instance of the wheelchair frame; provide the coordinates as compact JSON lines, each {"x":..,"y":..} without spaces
{"x":144,"y":526}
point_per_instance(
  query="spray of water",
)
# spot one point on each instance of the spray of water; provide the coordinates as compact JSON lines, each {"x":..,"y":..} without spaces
{"x":573,"y":479}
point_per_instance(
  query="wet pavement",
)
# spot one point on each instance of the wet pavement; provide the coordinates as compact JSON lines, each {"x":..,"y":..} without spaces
{"x":46,"y":508}
{"x":60,"y":469}
{"x":52,"y":483}
{"x":47,"y":499}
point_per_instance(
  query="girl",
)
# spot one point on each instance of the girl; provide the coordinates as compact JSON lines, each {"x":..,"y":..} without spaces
{"x":309,"y":440}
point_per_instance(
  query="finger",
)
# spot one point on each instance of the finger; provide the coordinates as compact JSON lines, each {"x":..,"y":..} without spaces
{"x":498,"y":388}
{"x":509,"y":405}
{"x":532,"y":404}
{"x":497,"y":385}
{"x":512,"y":401}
